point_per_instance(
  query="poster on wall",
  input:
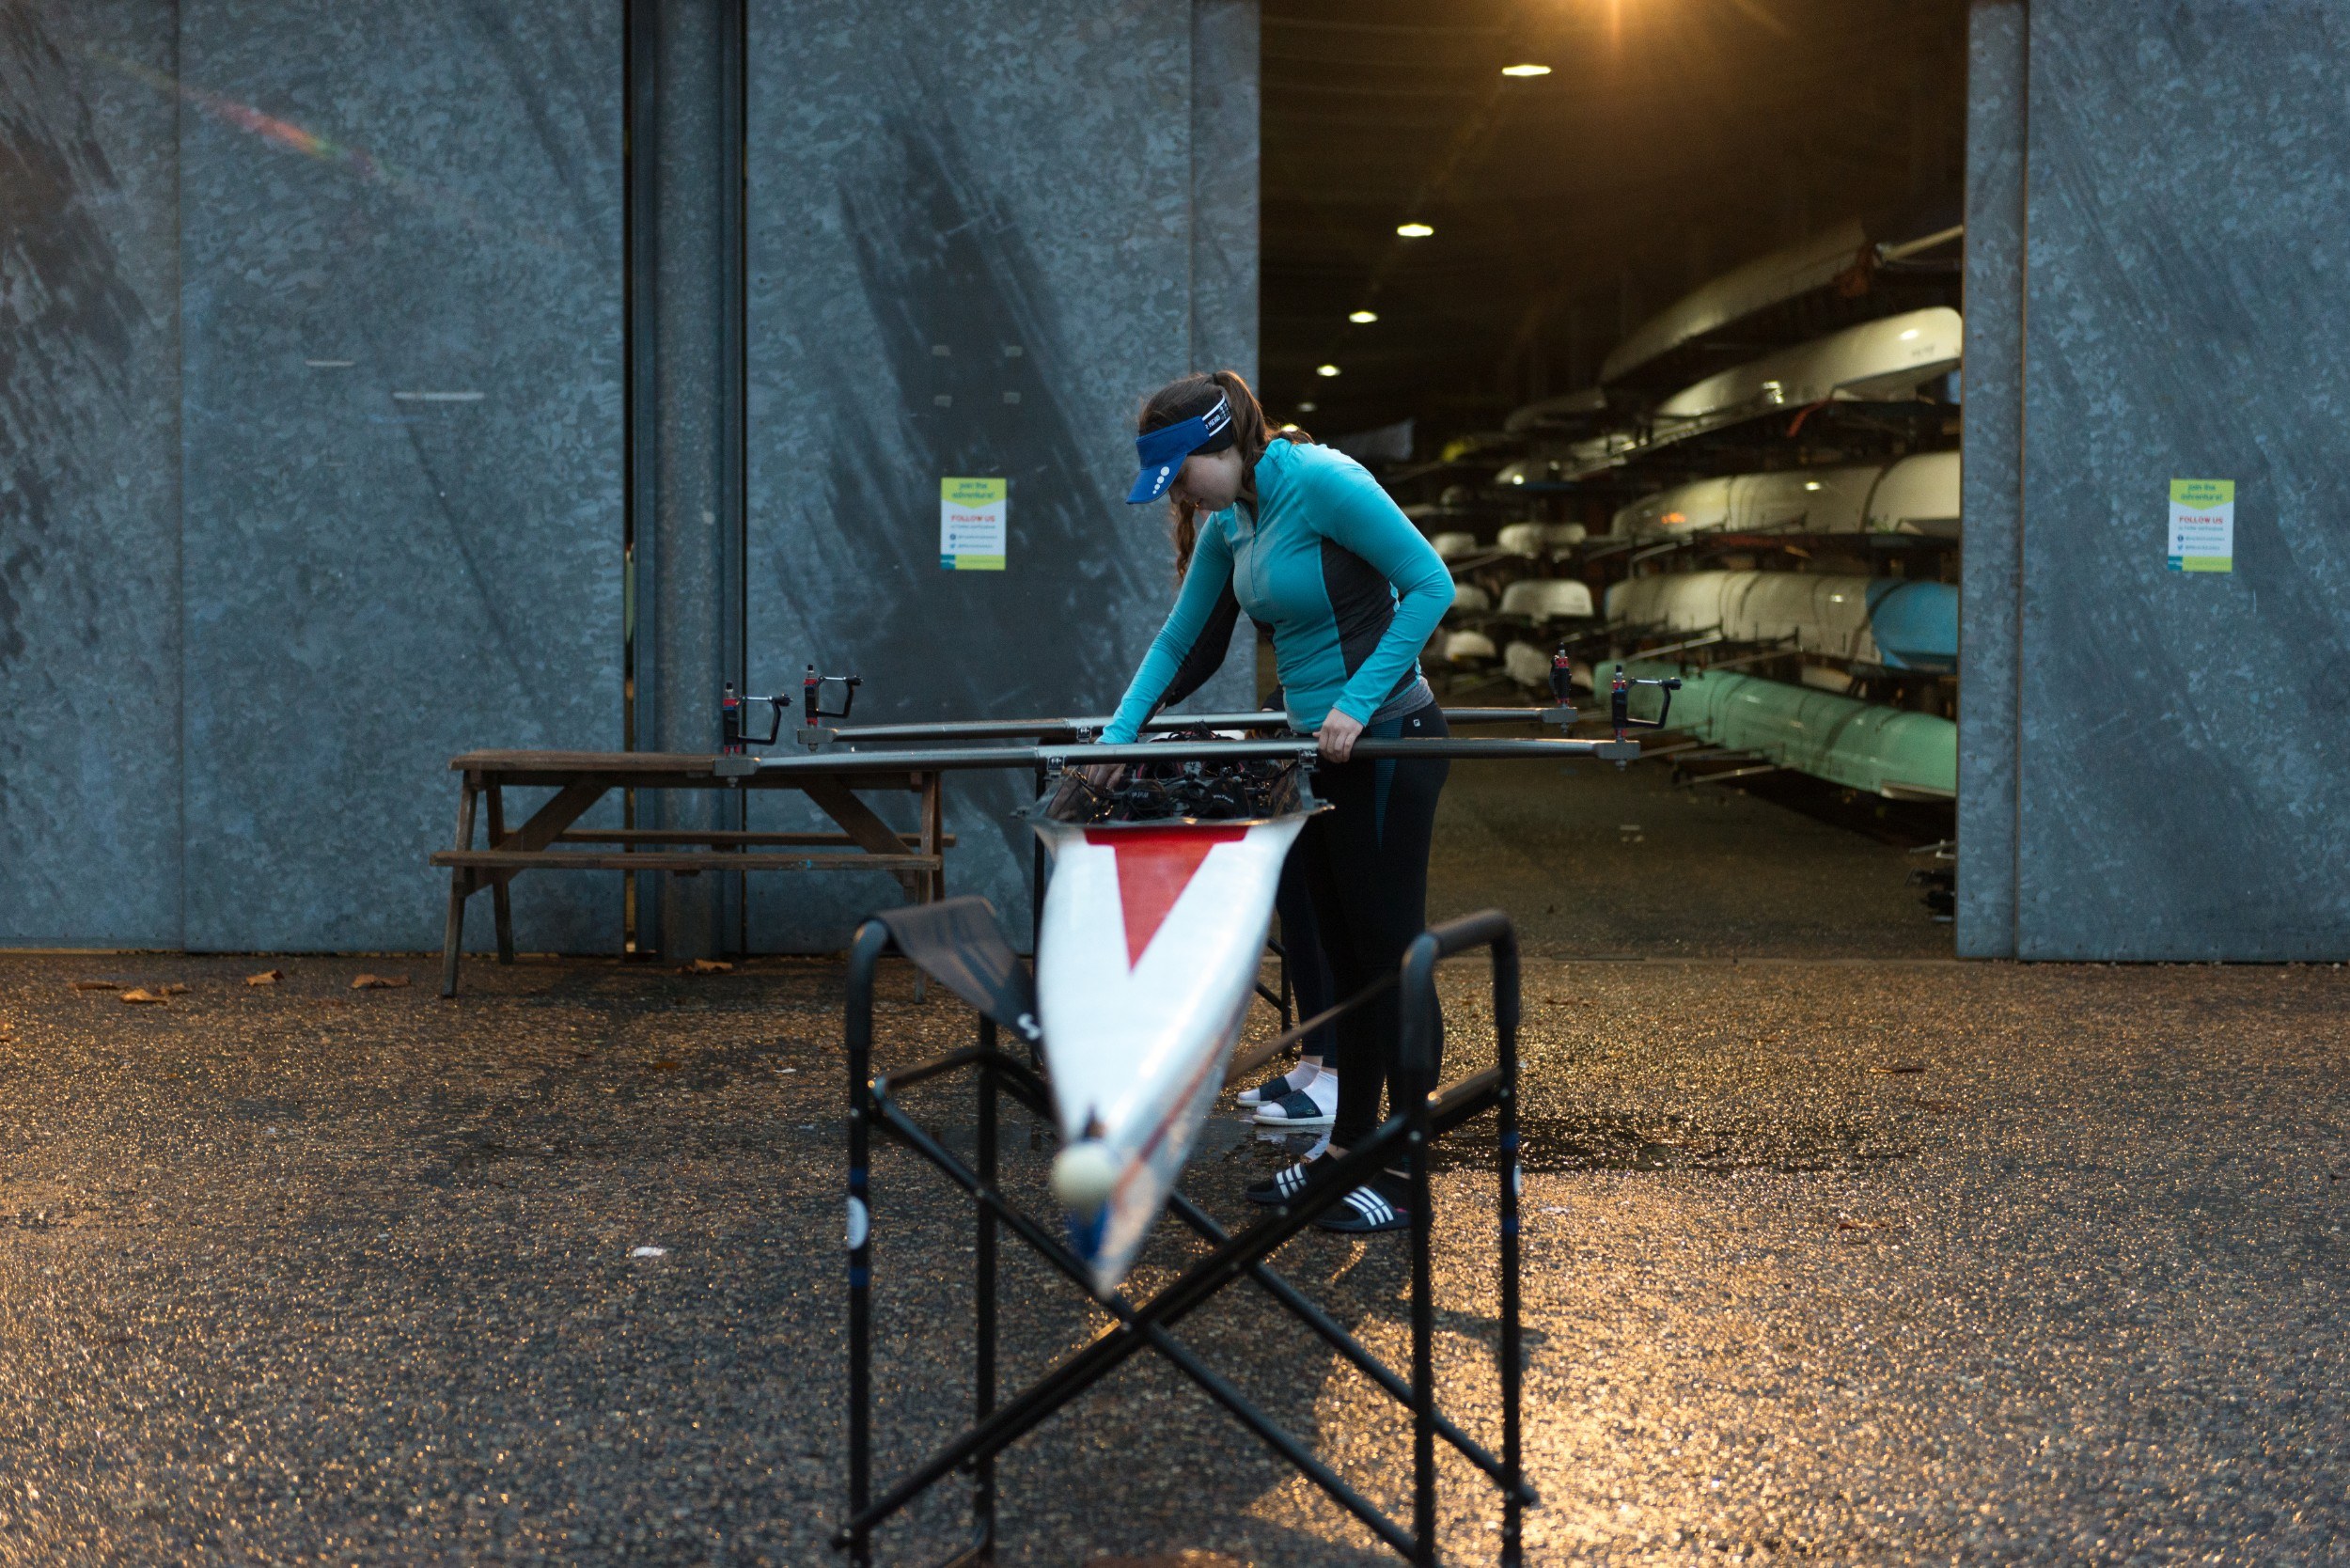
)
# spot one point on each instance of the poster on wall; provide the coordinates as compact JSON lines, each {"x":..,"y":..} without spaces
{"x":2202,"y":524}
{"x":971,"y":531}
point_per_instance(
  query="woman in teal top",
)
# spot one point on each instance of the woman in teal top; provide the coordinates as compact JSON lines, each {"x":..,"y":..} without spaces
{"x":1306,"y":542}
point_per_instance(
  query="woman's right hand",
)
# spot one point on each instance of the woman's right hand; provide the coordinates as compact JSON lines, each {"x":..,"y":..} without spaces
{"x":1103,"y":775}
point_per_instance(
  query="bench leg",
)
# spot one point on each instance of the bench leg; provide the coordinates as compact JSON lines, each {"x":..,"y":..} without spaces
{"x":501,"y":897}
{"x":453,"y":935}
{"x":935,"y":831}
{"x":460,"y":888}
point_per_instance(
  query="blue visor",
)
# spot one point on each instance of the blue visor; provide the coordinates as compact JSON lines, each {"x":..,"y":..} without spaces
{"x":1162,"y":451}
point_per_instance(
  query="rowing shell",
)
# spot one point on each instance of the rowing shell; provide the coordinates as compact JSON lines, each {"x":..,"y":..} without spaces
{"x":1145,"y":961}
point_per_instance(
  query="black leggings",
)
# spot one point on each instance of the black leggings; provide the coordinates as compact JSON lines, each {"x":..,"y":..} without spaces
{"x":1367,"y":868}
{"x":1308,"y":966}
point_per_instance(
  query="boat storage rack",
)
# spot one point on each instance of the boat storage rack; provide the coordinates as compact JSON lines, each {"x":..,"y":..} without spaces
{"x":958,"y":943}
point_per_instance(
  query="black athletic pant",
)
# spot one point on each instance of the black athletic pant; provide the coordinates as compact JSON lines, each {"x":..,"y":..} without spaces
{"x":1366,"y":866}
{"x":1309,"y":967}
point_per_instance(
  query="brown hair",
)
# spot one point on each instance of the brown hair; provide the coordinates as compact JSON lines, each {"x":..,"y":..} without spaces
{"x":1191,"y":396}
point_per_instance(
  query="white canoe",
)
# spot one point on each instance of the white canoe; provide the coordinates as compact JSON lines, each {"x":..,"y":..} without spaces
{"x":1806,"y":267}
{"x":1901,"y":623}
{"x":1544,"y":599}
{"x":1147,"y":960}
{"x":1469,"y":600}
{"x":1527,"y":665}
{"x":1881,"y":361}
{"x":1764,"y":282}
{"x":1469,"y":647}
{"x":1915,"y":495}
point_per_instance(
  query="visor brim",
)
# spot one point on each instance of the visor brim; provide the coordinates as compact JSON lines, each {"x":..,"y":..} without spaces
{"x":1153,"y":482}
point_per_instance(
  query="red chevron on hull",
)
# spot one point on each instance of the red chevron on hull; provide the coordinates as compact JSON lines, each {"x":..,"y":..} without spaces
{"x":1154,"y":866}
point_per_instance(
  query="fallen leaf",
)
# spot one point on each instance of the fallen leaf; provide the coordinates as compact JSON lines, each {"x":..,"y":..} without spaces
{"x":378,"y":982}
{"x":1849,"y":1224}
{"x":705,"y":967}
{"x":141,"y":995}
{"x":174,"y":989}
{"x":266,"y":976}
{"x":665,"y":1065}
{"x":1900,"y":1066}
{"x":97,"y":985}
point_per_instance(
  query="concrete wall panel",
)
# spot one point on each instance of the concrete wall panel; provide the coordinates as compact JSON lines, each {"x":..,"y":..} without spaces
{"x":90,"y":448}
{"x":977,"y":236}
{"x":2182,"y":788}
{"x":401,"y":266}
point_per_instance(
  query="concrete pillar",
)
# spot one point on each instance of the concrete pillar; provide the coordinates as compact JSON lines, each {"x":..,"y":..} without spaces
{"x":686,"y":407}
{"x":1992,"y":564}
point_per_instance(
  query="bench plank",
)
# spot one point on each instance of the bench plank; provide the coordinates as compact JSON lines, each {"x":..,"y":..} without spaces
{"x":507,"y":862}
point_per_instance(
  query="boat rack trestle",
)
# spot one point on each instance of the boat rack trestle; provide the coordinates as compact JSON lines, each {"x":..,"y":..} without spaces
{"x":958,"y":943}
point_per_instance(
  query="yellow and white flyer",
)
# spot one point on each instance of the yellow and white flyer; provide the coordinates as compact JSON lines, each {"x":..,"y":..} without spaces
{"x":2202,"y":524}
{"x":971,"y":529}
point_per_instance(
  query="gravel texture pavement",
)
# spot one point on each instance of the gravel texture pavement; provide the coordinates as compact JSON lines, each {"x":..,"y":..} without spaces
{"x":1865,"y":1258}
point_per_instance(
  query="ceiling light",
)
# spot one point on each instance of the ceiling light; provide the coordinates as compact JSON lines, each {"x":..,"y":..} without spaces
{"x":1326,"y":369}
{"x":1526,"y":71}
{"x":1517,"y":478}
{"x":1305,"y":408}
{"x":1414,"y":230}
{"x":1363,"y":318}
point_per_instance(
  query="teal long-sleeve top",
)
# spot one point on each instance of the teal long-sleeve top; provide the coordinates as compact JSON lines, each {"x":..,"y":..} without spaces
{"x":1351,"y":590}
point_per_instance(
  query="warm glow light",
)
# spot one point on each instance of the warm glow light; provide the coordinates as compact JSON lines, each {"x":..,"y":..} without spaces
{"x":1907,"y":336}
{"x":1363,"y":318}
{"x":1414,"y":230}
{"x":1526,"y":71}
{"x":1812,"y":485}
{"x":1326,"y":369}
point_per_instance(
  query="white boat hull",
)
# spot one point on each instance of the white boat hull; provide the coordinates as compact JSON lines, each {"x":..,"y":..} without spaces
{"x":1916,"y":495}
{"x":1147,"y":960}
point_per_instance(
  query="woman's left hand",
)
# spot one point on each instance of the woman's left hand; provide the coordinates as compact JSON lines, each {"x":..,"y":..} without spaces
{"x":1338,"y":735}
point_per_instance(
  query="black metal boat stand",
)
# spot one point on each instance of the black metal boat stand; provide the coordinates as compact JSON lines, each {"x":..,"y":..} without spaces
{"x":958,"y":943}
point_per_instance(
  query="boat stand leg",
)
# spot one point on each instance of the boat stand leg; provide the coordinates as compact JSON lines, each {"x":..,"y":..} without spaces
{"x":1195,"y":1286}
{"x":984,"y":1369}
{"x":1423,"y":1552}
{"x":871,"y":939}
{"x":1307,"y":1311}
{"x":1513,"y":1346}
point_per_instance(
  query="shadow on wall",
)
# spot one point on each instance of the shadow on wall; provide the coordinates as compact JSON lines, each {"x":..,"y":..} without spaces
{"x":960,"y":308}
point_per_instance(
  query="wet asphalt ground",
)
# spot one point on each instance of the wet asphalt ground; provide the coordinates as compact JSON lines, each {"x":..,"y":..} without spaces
{"x":1837,"y":1252}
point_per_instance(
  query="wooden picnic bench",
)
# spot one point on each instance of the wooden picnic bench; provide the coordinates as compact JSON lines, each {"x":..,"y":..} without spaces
{"x":581,"y":779}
